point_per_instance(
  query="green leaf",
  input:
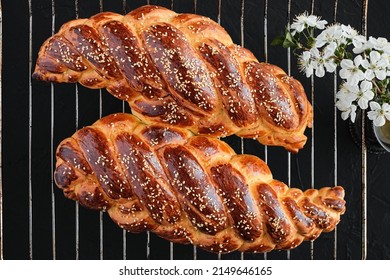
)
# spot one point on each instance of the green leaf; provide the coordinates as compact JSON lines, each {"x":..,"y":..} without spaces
{"x":288,"y":44}
{"x":289,"y":36}
{"x":277,"y":41}
{"x":288,"y":41}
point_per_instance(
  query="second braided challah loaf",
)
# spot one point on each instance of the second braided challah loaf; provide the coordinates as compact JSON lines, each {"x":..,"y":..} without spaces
{"x":189,"y":189}
{"x":179,"y":69}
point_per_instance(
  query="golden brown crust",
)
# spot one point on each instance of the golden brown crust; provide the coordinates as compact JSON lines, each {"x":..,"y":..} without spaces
{"x":189,"y":189}
{"x":180,"y":69}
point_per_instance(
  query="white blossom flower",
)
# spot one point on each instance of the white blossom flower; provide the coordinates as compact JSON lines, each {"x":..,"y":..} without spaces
{"x":329,"y":63}
{"x":380,"y":44}
{"x":323,"y":60}
{"x":304,"y":20}
{"x":332,"y":33}
{"x":305,"y":63}
{"x":378,"y":113}
{"x":346,"y":93}
{"x":360,"y":44}
{"x":376,"y":66}
{"x":363,"y":94}
{"x":347,"y":110}
{"x":317,"y":62}
{"x":386,"y":56}
{"x":348,"y":31}
{"x":350,"y":70}
{"x":320,"y":24}
{"x":300,"y":23}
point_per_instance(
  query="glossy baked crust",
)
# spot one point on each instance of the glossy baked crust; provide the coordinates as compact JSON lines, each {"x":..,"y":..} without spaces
{"x":180,"y":69}
{"x":189,"y":189}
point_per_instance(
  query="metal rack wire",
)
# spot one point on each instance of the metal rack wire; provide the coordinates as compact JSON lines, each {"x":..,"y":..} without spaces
{"x":242,"y":141}
{"x":1,"y":134}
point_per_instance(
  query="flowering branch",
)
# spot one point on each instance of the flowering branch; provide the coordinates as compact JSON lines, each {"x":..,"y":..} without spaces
{"x":365,"y":64}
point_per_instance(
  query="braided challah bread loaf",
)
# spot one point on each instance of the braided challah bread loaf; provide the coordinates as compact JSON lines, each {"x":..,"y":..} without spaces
{"x":179,"y":69}
{"x":189,"y":189}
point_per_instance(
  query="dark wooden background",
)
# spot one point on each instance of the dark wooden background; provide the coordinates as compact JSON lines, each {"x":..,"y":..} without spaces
{"x":28,"y":162}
